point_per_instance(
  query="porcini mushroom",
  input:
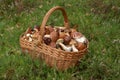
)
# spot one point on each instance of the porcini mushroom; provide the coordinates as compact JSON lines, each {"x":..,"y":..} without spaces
{"x":81,"y":39}
{"x":47,"y":40}
{"x":36,"y":28}
{"x":81,"y":46}
{"x":73,"y":43}
{"x":74,"y":49}
{"x":54,"y":36}
{"x":30,"y":39}
{"x":67,"y":40}
{"x":66,"y":48}
{"x":49,"y":29}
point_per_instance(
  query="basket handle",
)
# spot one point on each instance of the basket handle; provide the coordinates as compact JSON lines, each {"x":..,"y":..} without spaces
{"x":66,"y":23}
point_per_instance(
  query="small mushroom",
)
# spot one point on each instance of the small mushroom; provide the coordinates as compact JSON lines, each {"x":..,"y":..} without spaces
{"x":61,"y":31}
{"x":49,"y":29}
{"x":81,"y":46}
{"x":28,"y":35}
{"x":57,"y":43}
{"x":66,"y":48}
{"x":36,"y":28}
{"x":30,"y":39}
{"x":47,"y":40}
{"x":74,"y":49}
{"x":81,"y":39}
{"x":63,"y":34}
{"x":35,"y":35}
{"x":67,"y":40}
{"x":25,"y":37}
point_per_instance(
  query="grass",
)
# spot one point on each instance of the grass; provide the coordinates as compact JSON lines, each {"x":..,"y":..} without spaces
{"x":99,"y":23}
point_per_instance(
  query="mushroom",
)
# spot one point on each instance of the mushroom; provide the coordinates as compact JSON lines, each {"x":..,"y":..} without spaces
{"x":66,"y":48}
{"x":81,"y":39}
{"x":74,"y":49}
{"x":61,"y":31}
{"x":57,"y":43}
{"x":47,"y":40}
{"x":73,"y":43}
{"x":67,"y":40}
{"x":35,"y":35}
{"x":81,"y":46}
{"x":48,"y":29}
{"x":36,"y":28}
{"x":61,"y":35}
{"x":28,"y":35}
{"x":54,"y":35}
{"x":30,"y":39}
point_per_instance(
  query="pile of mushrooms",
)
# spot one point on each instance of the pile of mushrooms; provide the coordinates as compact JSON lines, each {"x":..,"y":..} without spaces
{"x":65,"y":39}
{"x":60,"y":37}
{"x":31,"y":33}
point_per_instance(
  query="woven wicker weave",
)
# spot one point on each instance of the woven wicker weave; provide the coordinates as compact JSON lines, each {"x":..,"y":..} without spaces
{"x":53,"y":57}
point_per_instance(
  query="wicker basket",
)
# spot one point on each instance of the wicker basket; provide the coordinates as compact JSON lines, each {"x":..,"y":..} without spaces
{"x":53,"y":57}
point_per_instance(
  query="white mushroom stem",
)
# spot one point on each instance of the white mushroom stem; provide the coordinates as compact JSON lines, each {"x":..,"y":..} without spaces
{"x":81,"y":39}
{"x":65,"y":47}
{"x":74,"y":49}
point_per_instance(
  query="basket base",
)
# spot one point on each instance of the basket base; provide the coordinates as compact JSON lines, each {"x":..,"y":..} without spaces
{"x":51,"y":61}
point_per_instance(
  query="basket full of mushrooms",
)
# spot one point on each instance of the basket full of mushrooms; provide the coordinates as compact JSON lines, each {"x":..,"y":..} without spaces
{"x":59,"y":47}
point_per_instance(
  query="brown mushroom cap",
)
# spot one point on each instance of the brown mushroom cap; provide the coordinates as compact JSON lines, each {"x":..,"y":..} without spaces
{"x":54,"y":36}
{"x":67,"y":40}
{"x":81,"y":46}
{"x":47,"y":40}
